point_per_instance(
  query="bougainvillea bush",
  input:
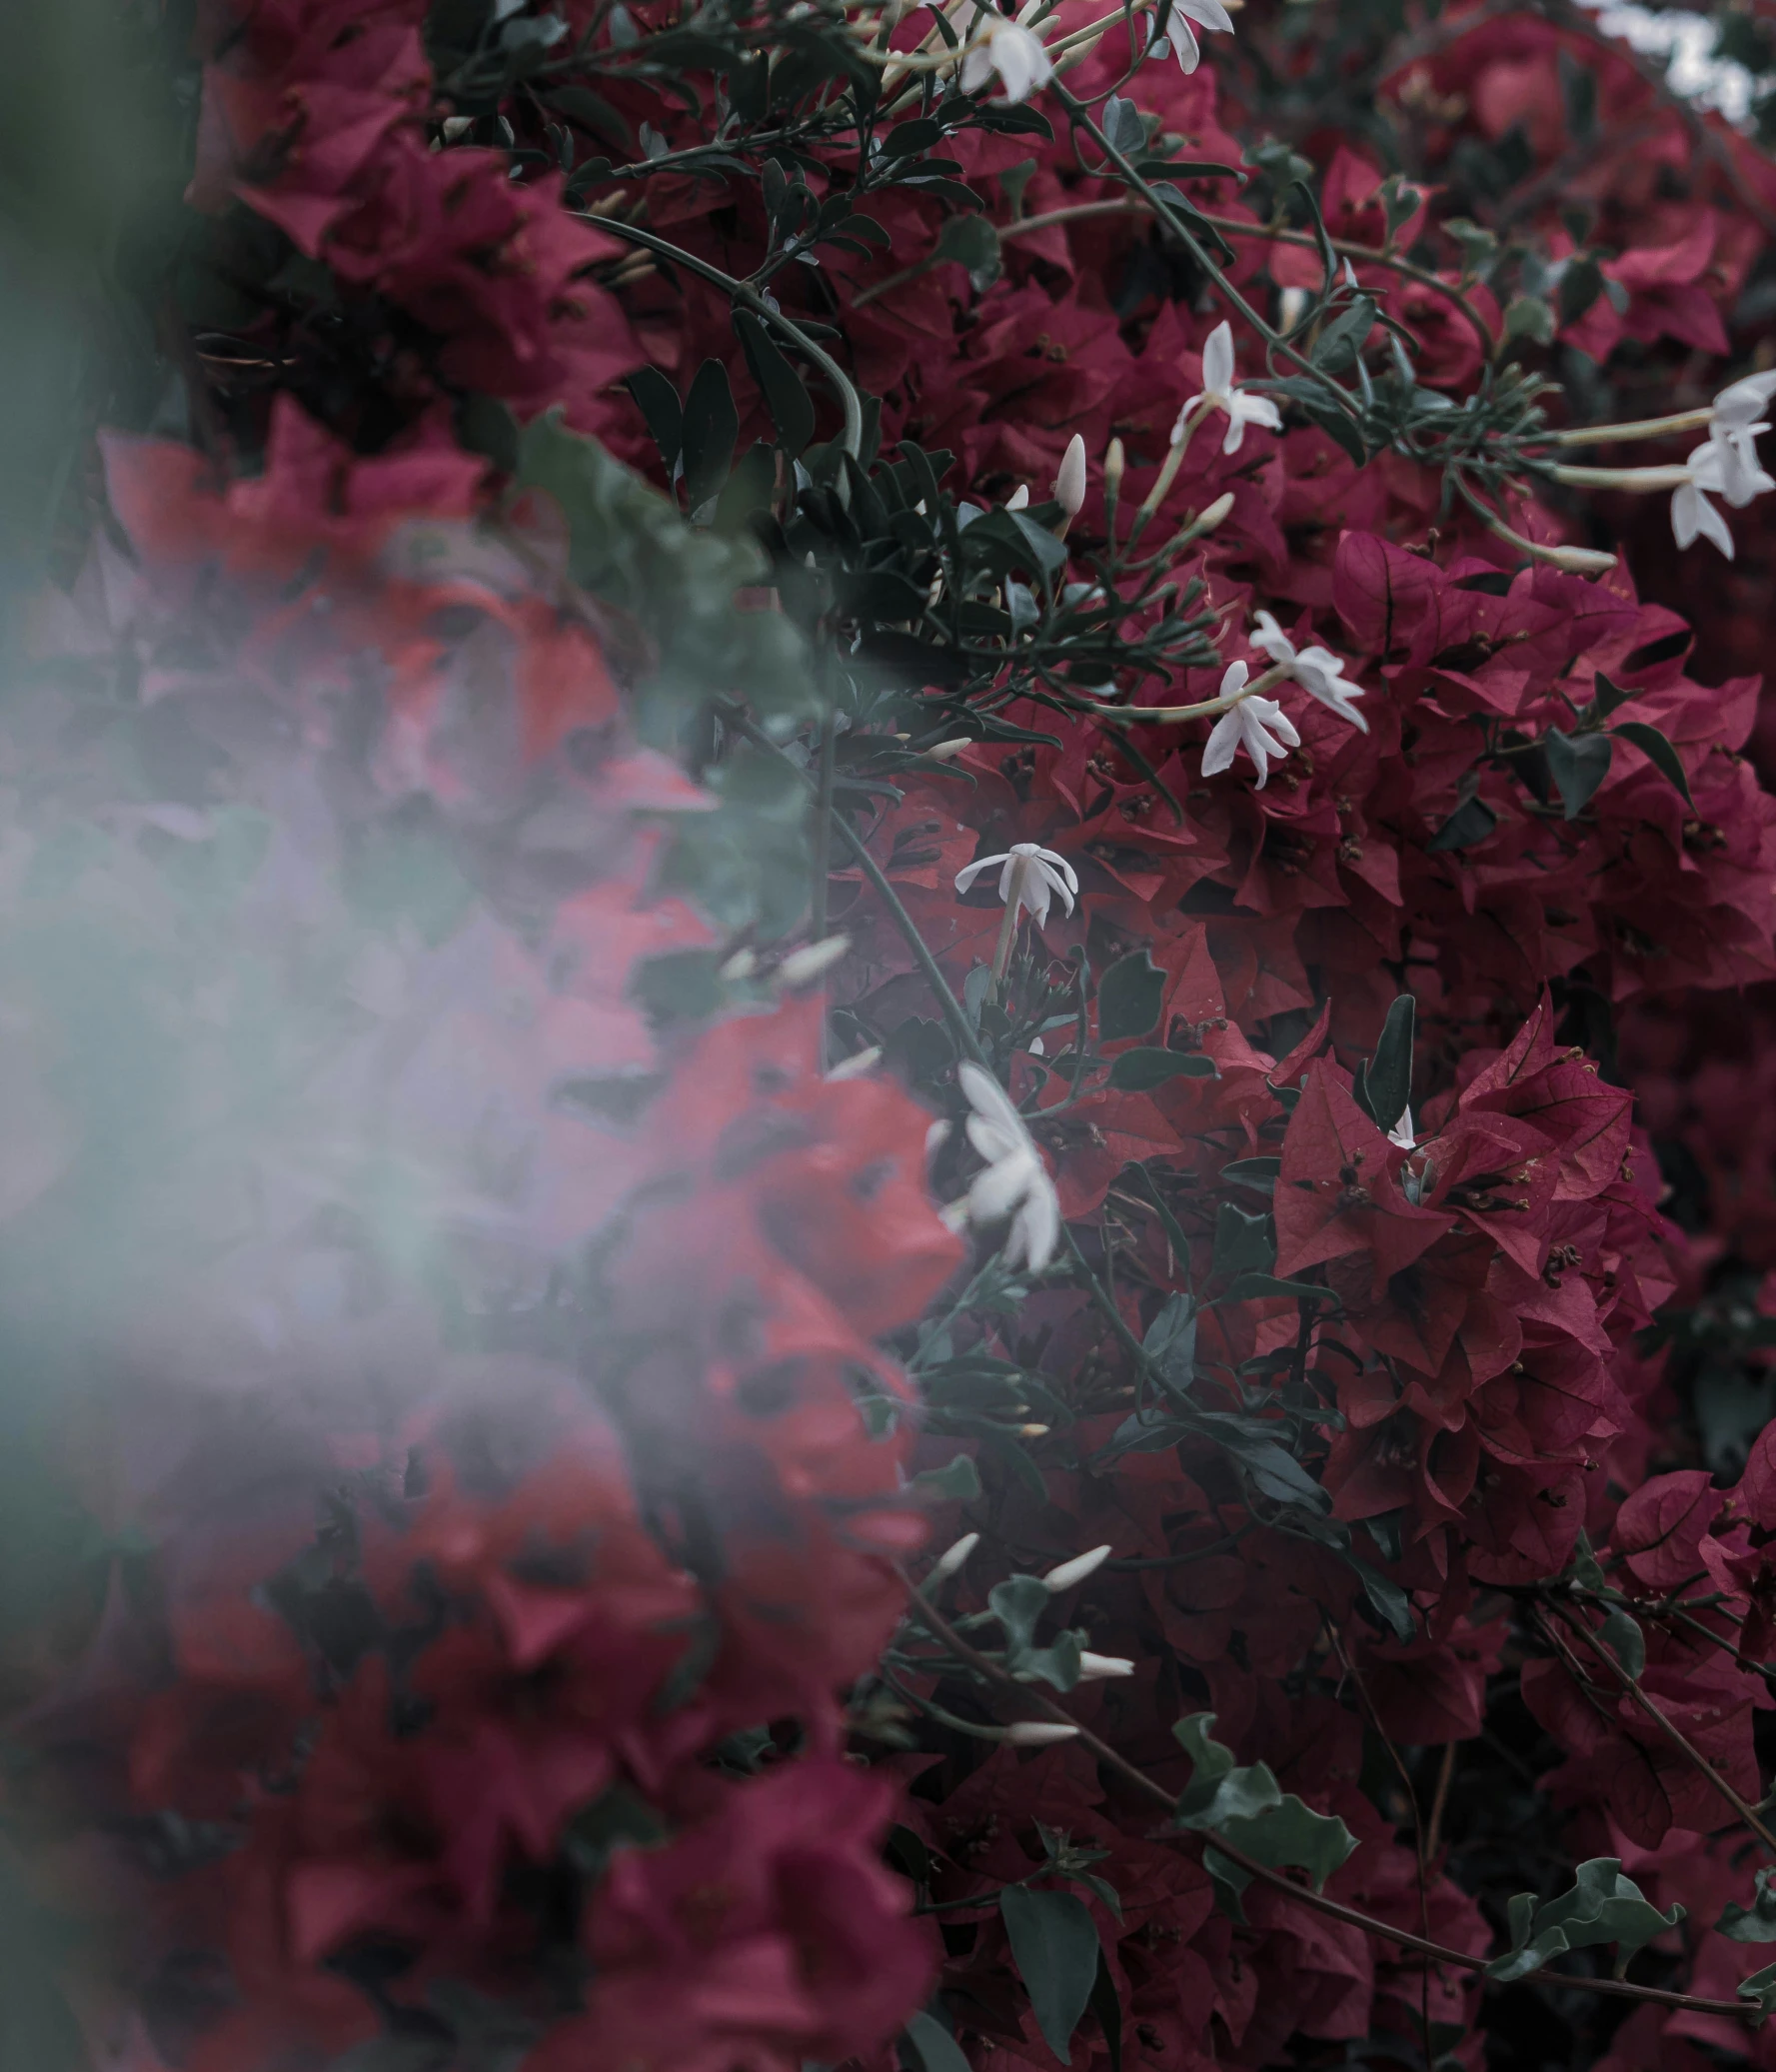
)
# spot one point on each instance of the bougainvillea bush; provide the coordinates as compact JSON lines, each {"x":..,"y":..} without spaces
{"x":887,"y":1008}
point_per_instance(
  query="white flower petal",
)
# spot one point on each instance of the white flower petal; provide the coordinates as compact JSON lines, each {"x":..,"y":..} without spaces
{"x":1218,"y":360}
{"x":967,"y":875}
{"x":1223,"y":741}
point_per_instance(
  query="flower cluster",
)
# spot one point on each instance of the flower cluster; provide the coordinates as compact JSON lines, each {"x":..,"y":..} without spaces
{"x":504,"y":963}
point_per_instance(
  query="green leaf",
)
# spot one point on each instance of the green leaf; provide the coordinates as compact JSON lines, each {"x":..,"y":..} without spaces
{"x":1579,"y":764}
{"x":1242,"y":1242}
{"x":788,"y":399}
{"x":1108,"y":2006}
{"x":1274,"y":1471}
{"x":712,"y":425}
{"x":1385,"y":1087}
{"x":1122,"y":125}
{"x":1054,"y":1940}
{"x":959,"y":1483}
{"x":1607,"y":697}
{"x":1129,"y":996}
{"x":1622,"y":1634}
{"x":934,"y":2046}
{"x":1387,"y":1599}
{"x":1139,"y":1071}
{"x":659,"y":403}
{"x":1759,"y":1991}
{"x":1658,"y":752}
{"x":1019,"y":1603}
{"x":1603,"y":1906}
{"x":1467,"y":827}
{"x":1756,"y":1923}
{"x":1247,"y":1807}
{"x":1170,"y":1342}
{"x":972,"y":244}
{"x":1257,"y":1173}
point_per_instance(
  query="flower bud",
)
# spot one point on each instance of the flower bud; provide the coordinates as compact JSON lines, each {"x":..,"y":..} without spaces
{"x":1580,"y":561}
{"x":1114,"y":461}
{"x":1069,"y":480}
{"x":804,"y":966}
{"x":947,"y":751}
{"x":1039,"y":1733}
{"x":952,"y":1558}
{"x":1018,"y":497}
{"x":1075,"y":1571}
{"x":855,"y":1066}
{"x":1210,"y":517}
{"x":1094,"y":1667}
{"x":741,"y":964}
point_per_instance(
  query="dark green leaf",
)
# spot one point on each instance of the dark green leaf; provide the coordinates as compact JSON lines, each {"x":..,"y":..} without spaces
{"x":712,"y":425}
{"x":1170,"y":1342}
{"x":1130,"y":997}
{"x":1622,"y":1634}
{"x":1106,"y":2004}
{"x":1257,"y":1173}
{"x":1608,"y":696}
{"x":1054,"y":1940}
{"x":1658,"y":752}
{"x":1756,"y":1923}
{"x":959,"y":1483}
{"x":790,"y":405}
{"x":1387,"y":1599}
{"x":1467,"y":827}
{"x":1243,"y":1243}
{"x":906,"y":138}
{"x":1603,"y":1906}
{"x":1759,"y":1992}
{"x":1579,"y":764}
{"x":659,"y":404}
{"x":1247,"y":1807}
{"x":1139,"y":1072}
{"x":1385,"y":1088}
{"x":934,"y":2046}
{"x":1122,"y":125}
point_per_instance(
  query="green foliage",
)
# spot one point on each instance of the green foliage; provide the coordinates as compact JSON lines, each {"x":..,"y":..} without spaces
{"x":1602,"y":1907}
{"x":1054,"y":1941}
{"x":1246,"y":1806}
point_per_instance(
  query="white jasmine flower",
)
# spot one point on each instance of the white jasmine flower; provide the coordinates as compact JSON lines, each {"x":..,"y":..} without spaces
{"x":1031,"y":875}
{"x":1075,"y":1571}
{"x":804,"y":966}
{"x":953,"y":1558}
{"x":1257,"y":725}
{"x":1402,"y":1131}
{"x":1016,"y":1183}
{"x":1714,"y":469}
{"x":1738,"y":414}
{"x":1069,"y":479}
{"x":1318,"y":671}
{"x":1220,"y":392}
{"x":1207,"y":14}
{"x":1015,"y":53}
{"x":1038,"y":1733}
{"x":1092,"y":1668}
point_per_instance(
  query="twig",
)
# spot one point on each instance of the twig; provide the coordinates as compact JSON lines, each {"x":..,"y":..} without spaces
{"x":1304,"y":1895}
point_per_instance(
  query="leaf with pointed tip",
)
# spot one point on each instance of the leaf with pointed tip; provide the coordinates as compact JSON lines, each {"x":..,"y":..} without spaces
{"x":1139,"y":1071}
{"x":1130,"y":997}
{"x":1579,"y":764}
{"x":1658,"y":752}
{"x":1756,"y":1923}
{"x":1054,"y":1941}
{"x":1602,"y":1907}
{"x":934,"y":2046}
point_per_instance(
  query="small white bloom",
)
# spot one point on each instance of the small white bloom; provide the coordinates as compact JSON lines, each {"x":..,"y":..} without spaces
{"x":1075,"y":1571}
{"x":1031,"y":875}
{"x":1038,"y":1733}
{"x":1712,"y":470}
{"x":1220,"y":392}
{"x":804,"y":966}
{"x":1015,"y":53}
{"x":1016,"y":1183}
{"x":1738,"y":418}
{"x":1257,"y":725}
{"x":1092,"y":1668}
{"x":1402,"y":1131}
{"x":1318,"y":671}
{"x":953,"y":1558}
{"x":1069,"y":479}
{"x":1207,"y":14}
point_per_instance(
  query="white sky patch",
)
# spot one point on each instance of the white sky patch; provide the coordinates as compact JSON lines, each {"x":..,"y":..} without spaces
{"x":1686,"y":42}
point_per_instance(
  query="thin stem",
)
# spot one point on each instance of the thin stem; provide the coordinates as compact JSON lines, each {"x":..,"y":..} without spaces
{"x":1670,"y":477}
{"x":1165,"y":714}
{"x":1673,"y":1733}
{"x":1002,"y":949}
{"x":1580,"y":560}
{"x":1642,"y":428}
{"x":1304,"y":1895}
{"x":851,"y":438}
{"x":1175,"y":223}
{"x":822,"y":824}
